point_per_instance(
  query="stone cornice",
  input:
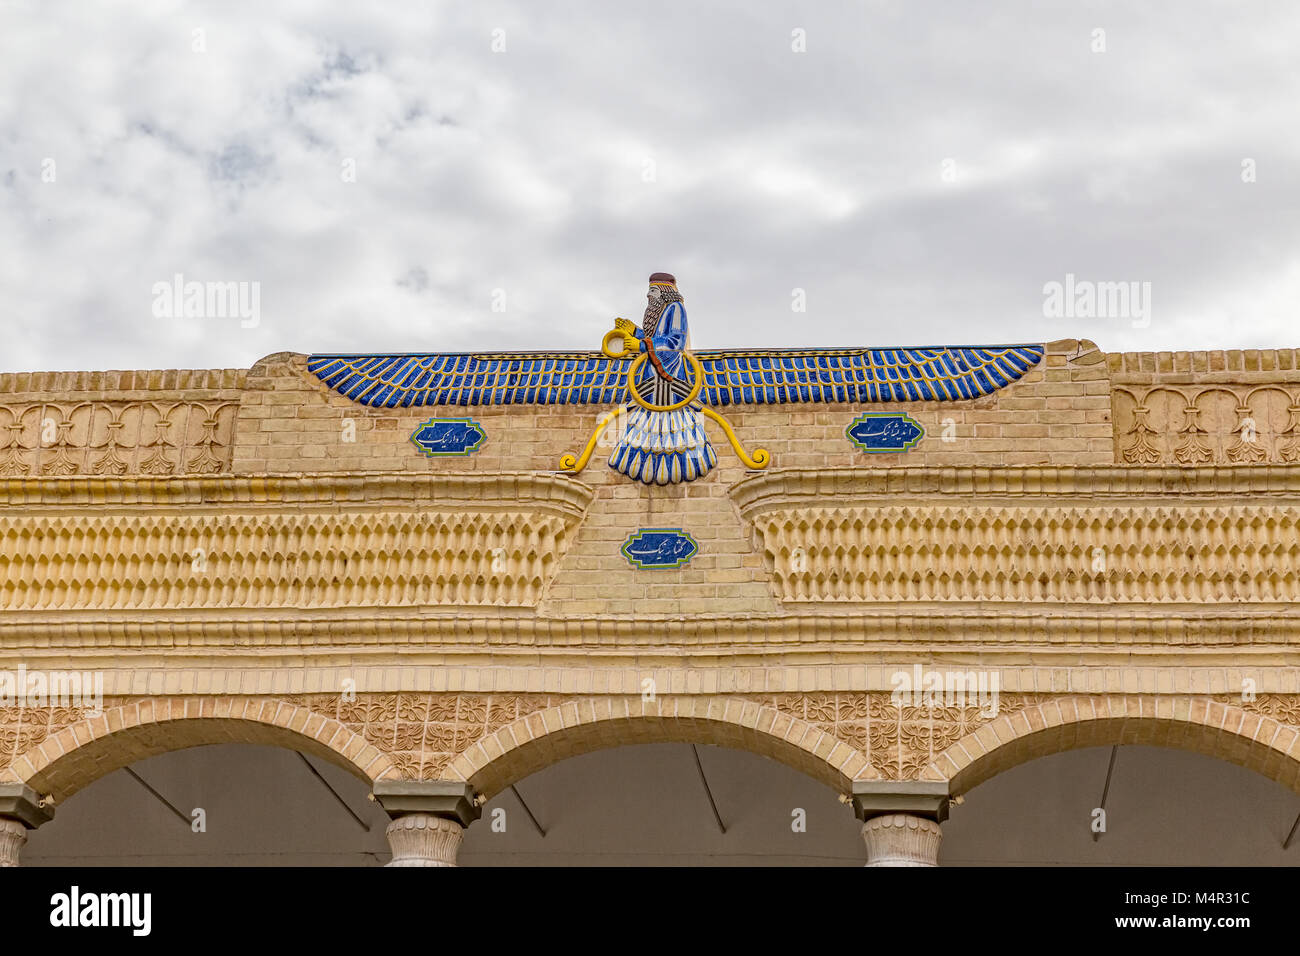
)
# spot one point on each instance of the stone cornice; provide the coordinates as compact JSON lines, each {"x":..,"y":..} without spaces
{"x":555,"y":492}
{"x":1218,"y":365}
{"x":977,"y":628}
{"x":835,"y":487}
{"x":117,"y":383}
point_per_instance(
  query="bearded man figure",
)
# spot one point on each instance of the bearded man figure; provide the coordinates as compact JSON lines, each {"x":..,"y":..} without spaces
{"x":662,"y":444}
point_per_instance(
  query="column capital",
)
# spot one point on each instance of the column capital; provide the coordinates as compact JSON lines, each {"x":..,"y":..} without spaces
{"x":920,"y":798}
{"x":448,"y":799}
{"x":423,"y":839}
{"x":902,"y":839}
{"x":20,"y":811}
{"x":20,"y":802}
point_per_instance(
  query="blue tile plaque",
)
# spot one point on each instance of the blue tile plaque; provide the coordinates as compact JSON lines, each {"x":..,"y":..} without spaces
{"x":660,"y":548}
{"x":882,"y":432}
{"x":443,"y":437}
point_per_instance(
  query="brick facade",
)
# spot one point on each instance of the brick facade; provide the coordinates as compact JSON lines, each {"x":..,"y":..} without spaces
{"x":240,"y":552}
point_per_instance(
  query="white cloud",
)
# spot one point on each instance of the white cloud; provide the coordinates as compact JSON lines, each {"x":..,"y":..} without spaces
{"x":527,"y":171}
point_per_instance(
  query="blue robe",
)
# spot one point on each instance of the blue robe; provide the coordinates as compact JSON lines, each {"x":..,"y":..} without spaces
{"x":669,"y":341}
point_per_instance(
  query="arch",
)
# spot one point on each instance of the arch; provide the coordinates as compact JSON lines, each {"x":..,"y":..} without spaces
{"x":86,"y":750}
{"x":1255,"y":741}
{"x":577,"y":727}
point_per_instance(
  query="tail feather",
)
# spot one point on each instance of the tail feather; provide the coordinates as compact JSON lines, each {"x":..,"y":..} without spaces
{"x":663,"y":447}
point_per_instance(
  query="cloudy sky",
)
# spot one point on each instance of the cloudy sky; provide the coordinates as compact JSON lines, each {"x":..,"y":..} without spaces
{"x":487,"y":175}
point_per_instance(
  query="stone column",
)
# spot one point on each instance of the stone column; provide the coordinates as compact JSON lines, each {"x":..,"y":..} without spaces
{"x":20,"y":811}
{"x":429,"y":819}
{"x":901,"y":820}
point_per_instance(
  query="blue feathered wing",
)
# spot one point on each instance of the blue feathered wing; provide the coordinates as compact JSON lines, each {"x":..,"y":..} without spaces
{"x":731,"y":377}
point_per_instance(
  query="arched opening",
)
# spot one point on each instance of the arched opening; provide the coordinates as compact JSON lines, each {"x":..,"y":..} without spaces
{"x":654,"y":805}
{"x":615,"y":781}
{"x":1162,"y":806}
{"x":1213,"y":728}
{"x":1039,"y":783}
{"x":623,"y":805}
{"x":231,"y":804}
{"x":572,"y":729}
{"x":84,"y":751}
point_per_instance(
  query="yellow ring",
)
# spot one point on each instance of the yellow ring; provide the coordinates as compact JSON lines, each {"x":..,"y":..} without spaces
{"x":631,"y":384}
{"x":604,"y":344}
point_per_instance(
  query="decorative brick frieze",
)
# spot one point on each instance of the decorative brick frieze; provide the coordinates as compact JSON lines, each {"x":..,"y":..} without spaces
{"x":113,"y":438}
{"x":1215,"y":425}
{"x":1048,"y":553}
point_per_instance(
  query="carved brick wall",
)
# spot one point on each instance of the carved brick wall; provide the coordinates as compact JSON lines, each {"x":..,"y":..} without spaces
{"x":166,"y":437}
{"x":1219,"y":424}
{"x":278,"y":560}
{"x":978,"y":552}
{"x":423,"y":733}
{"x":900,"y":740}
